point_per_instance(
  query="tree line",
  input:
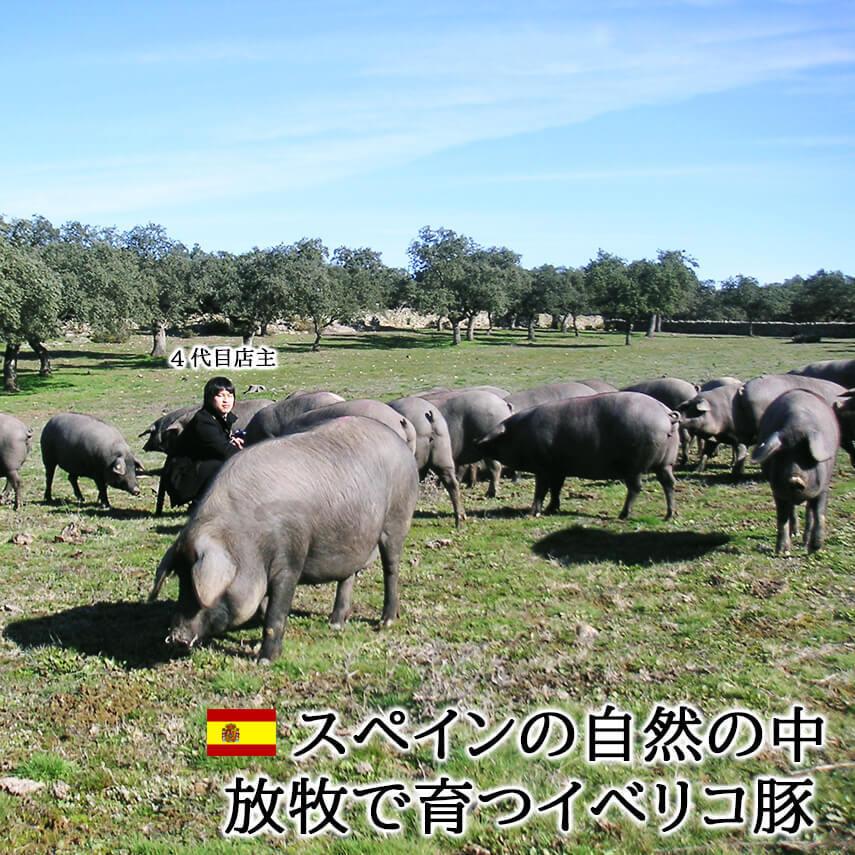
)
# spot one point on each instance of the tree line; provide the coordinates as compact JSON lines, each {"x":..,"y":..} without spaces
{"x":117,"y":281}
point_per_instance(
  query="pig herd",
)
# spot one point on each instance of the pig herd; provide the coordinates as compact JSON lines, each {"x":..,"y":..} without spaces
{"x":325,"y":485}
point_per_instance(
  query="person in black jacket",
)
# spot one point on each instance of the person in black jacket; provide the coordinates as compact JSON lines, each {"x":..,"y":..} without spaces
{"x":205,"y":443}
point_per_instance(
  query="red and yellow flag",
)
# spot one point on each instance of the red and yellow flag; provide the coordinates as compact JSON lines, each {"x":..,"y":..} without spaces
{"x":241,"y":733}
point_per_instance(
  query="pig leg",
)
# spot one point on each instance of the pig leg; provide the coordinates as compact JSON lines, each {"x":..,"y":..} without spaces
{"x":391,"y":546}
{"x":633,"y":488}
{"x":494,"y":469}
{"x":816,"y":508}
{"x":449,"y":481}
{"x":161,"y":495}
{"x":741,"y":457}
{"x":50,"y":468}
{"x":75,"y":485}
{"x":541,"y":488}
{"x":342,"y":606}
{"x":280,"y":593}
{"x":103,"y":501}
{"x":555,"y":485}
{"x":783,"y":511}
{"x":685,"y":442}
{"x":707,"y":452}
{"x":13,"y":479}
{"x":665,"y":476}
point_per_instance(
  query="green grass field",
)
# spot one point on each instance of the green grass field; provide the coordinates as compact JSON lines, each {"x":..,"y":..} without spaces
{"x":494,"y":618}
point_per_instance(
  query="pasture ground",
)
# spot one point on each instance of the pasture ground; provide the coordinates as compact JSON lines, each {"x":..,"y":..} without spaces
{"x":493,"y":618}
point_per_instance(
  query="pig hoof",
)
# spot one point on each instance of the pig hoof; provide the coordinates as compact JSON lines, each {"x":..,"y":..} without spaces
{"x":263,"y":661}
{"x":337,"y":625}
{"x":386,"y":623}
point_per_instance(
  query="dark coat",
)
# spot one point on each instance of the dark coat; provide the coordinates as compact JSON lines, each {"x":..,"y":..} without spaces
{"x":201,"y":450}
{"x":206,"y":437}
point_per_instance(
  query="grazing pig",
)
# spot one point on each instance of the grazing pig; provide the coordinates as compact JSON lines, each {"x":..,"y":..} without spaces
{"x":84,"y":445}
{"x":844,"y":409}
{"x":267,"y":423}
{"x":548,"y":392}
{"x":309,"y":508}
{"x":365,"y":407}
{"x":444,"y":391}
{"x":756,"y":395}
{"x":599,"y":385}
{"x":709,"y":416}
{"x":15,"y":441}
{"x":618,"y":435}
{"x":471,"y":416}
{"x":155,"y":431}
{"x":433,"y":446}
{"x":718,"y":382}
{"x":797,"y":445}
{"x":840,"y":371}
{"x":671,"y":391}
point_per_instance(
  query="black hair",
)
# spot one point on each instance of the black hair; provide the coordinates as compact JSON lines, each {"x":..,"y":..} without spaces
{"x":214,"y":386}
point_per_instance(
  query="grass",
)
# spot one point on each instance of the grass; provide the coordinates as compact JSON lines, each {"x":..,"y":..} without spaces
{"x":697,"y":610}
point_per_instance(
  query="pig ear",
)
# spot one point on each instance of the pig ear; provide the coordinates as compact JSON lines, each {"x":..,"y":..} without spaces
{"x":148,"y":431}
{"x":119,"y":466}
{"x":429,"y":416}
{"x":819,"y":447}
{"x":767,"y":448}
{"x":212,"y":574}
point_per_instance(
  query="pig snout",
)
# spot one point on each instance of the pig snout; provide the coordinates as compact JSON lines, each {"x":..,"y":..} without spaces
{"x":181,"y":637}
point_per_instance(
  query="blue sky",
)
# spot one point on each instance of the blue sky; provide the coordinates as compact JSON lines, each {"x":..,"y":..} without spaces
{"x":726,"y":129}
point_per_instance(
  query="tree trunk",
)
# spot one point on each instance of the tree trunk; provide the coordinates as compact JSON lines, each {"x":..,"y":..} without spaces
{"x":247,"y":337}
{"x":530,"y":329}
{"x":264,"y":327}
{"x":575,"y":328}
{"x":628,"y":332}
{"x":659,"y":323}
{"x":470,"y":328}
{"x":565,"y":322}
{"x":158,"y":348}
{"x":455,"y":331}
{"x":489,"y":322}
{"x":439,"y":323}
{"x":10,"y":368}
{"x":750,"y":327}
{"x":651,"y":325}
{"x":44,"y":357}
{"x":316,"y":344}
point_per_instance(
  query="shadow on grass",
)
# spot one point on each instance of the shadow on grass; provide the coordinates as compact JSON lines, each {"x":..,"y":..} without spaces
{"x":131,"y":633}
{"x":171,"y":529}
{"x":711,"y":479}
{"x":580,"y":545}
{"x":92,"y":510}
{"x":567,"y":345}
{"x":376,"y":341}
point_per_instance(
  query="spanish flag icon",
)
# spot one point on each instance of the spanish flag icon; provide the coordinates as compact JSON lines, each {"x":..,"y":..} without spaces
{"x":241,"y":733}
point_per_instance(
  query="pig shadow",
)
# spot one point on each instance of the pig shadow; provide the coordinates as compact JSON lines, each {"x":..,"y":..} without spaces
{"x":131,"y":633}
{"x":93,"y":511}
{"x":710,"y":479}
{"x":580,"y":545}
